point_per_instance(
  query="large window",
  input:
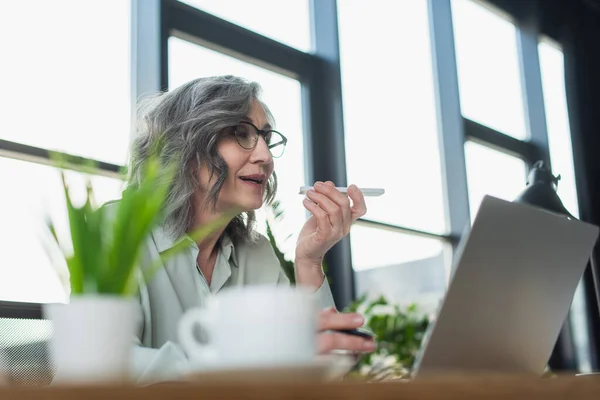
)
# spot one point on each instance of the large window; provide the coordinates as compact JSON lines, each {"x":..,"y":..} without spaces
{"x":68,"y":84}
{"x":285,"y":21}
{"x":392,"y":142}
{"x":66,"y":87}
{"x":389,"y":111}
{"x":65,"y":76}
{"x":491,"y":172}
{"x":30,"y":267}
{"x":557,"y":119}
{"x":281,"y":94}
{"x":488,"y":68}
{"x":490,"y":94}
{"x":405,"y":268}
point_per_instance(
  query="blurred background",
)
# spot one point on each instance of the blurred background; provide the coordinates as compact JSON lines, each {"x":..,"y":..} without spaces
{"x":439,"y":102}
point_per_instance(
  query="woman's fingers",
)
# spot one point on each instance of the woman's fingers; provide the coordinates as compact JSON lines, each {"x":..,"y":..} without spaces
{"x":335,"y":203}
{"x":329,"y":320}
{"x":333,"y":216}
{"x":350,"y":211}
{"x":359,"y":206}
{"x":344,"y":202}
{"x":329,"y":339}
{"x":320,"y":214}
{"x":328,"y":342}
{"x":332,"y":209}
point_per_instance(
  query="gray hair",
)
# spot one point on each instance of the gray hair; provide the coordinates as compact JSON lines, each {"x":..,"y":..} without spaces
{"x":184,"y":126}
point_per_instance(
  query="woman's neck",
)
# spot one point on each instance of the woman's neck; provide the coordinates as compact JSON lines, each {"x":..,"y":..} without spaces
{"x":207,"y":247}
{"x":207,"y":244}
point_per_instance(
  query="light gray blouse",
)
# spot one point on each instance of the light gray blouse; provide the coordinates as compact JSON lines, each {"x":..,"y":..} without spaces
{"x":180,"y":286}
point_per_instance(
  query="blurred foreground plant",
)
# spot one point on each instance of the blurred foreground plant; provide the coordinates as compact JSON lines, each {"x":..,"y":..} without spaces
{"x":276,"y":214}
{"x":105,"y":242}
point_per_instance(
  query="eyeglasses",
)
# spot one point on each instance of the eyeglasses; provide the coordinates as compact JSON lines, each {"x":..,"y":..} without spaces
{"x":247,"y":135}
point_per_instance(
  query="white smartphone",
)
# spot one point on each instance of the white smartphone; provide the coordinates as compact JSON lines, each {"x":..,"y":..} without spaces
{"x":372,"y":192}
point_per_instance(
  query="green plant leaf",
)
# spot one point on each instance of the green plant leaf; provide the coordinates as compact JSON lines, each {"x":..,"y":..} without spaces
{"x":287,"y":266}
{"x":74,"y":262}
{"x":138,"y":212}
{"x":381,"y":301}
{"x":399,"y":332}
{"x":106,"y":247}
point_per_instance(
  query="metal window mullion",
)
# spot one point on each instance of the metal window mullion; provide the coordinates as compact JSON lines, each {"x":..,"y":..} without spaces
{"x":449,"y":116}
{"x":324,"y":142}
{"x":23,"y":152}
{"x":202,"y":28}
{"x":20,"y":310}
{"x":531,"y":84}
{"x":405,"y":230}
{"x":491,"y":138}
{"x":148,"y":57}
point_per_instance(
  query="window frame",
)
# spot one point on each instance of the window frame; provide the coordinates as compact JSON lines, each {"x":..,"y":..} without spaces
{"x":154,"y":21}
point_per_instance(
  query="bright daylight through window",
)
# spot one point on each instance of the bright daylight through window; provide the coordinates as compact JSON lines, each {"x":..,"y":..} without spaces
{"x":488,"y":68}
{"x":285,"y":21}
{"x":68,"y":81}
{"x":392,"y":142}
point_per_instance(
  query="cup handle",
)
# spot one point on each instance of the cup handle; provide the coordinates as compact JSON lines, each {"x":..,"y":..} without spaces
{"x":202,"y":351}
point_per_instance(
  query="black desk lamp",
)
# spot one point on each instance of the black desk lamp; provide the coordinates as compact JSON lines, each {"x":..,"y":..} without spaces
{"x":541,"y":192}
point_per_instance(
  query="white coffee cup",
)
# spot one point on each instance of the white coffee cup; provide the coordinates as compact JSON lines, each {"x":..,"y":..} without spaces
{"x":254,"y":326}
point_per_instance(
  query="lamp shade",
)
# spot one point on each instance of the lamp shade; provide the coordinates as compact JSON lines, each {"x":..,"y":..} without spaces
{"x":541,"y":190}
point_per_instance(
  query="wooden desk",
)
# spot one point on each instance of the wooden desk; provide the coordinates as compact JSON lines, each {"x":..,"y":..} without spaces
{"x":501,"y":388}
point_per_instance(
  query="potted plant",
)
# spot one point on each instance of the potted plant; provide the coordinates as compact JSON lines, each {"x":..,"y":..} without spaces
{"x":399,"y":332}
{"x":94,"y":333}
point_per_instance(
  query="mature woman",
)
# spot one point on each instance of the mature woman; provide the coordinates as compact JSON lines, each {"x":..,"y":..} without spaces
{"x":223,"y":138}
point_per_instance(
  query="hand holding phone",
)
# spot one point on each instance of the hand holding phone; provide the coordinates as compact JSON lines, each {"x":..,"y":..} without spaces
{"x":371,"y":192}
{"x":363,"y":333}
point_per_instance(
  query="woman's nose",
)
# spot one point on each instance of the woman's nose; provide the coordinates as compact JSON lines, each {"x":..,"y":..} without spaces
{"x":261,"y":153}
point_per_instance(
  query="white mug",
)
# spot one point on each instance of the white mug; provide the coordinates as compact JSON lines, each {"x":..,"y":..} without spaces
{"x":253,"y":326}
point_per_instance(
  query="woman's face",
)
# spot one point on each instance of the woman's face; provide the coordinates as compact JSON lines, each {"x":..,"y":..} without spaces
{"x":248,"y":170}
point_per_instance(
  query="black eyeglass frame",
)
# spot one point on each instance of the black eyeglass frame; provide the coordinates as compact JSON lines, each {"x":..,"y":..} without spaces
{"x":263,"y":133}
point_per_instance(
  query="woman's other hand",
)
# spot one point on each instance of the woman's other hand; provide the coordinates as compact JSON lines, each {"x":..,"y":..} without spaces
{"x":329,"y":340}
{"x":332,"y":216}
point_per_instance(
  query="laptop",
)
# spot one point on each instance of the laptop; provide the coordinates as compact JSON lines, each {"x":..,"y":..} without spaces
{"x":513,"y":282}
